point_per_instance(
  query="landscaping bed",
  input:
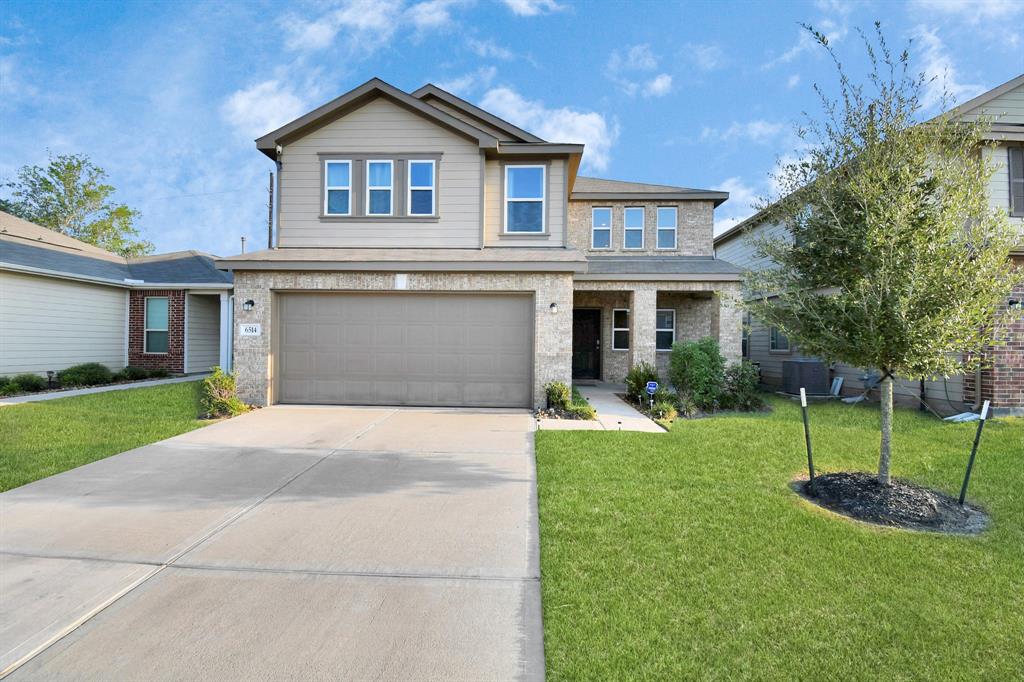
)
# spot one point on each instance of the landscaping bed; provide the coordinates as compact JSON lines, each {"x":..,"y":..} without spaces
{"x":79,"y":376}
{"x":565,"y":403}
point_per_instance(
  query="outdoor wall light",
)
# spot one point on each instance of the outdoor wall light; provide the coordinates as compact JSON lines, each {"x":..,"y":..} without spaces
{"x":49,"y":378}
{"x":249,"y":305}
{"x":553,"y":308}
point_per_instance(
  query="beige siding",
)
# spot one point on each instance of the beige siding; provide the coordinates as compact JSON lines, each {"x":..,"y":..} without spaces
{"x":50,"y":324}
{"x":999,"y":183}
{"x":203,"y":333}
{"x":494,"y":207}
{"x":1007,"y":108}
{"x":462,"y":116}
{"x":381,"y":127}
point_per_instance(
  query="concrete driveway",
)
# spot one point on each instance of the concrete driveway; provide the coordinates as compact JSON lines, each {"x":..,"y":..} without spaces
{"x":290,"y":543}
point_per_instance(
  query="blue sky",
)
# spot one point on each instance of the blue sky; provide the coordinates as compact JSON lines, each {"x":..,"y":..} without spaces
{"x":169,"y":96}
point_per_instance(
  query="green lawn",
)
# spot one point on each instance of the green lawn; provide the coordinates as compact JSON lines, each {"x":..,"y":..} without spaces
{"x":45,"y":438}
{"x":686,"y":555}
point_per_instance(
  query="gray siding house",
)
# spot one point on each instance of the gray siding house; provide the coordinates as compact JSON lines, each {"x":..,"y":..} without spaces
{"x":1003,"y":381}
{"x":64,"y":302}
{"x":429,"y":253}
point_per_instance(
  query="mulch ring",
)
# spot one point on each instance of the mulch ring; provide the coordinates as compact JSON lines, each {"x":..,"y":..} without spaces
{"x":902,"y":504}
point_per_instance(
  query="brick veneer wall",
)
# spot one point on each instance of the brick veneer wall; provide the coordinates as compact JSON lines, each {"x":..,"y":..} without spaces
{"x":174,"y":359}
{"x":1002,"y":379}
{"x":695,"y":226}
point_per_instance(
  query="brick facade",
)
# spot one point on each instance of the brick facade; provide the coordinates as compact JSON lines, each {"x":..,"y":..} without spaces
{"x":1002,"y":378}
{"x":693,"y":228}
{"x":174,"y":360}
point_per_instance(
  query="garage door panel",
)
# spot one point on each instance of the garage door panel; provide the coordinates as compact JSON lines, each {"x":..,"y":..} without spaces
{"x":406,"y":349}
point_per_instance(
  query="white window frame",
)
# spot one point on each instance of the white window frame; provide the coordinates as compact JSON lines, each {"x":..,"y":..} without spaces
{"x":664,"y":329}
{"x":146,"y":328}
{"x":627,"y":230}
{"x":328,"y":186}
{"x":629,"y":339}
{"x":390,"y":188}
{"x":432,"y":187}
{"x":594,"y":229}
{"x":543,"y":198}
{"x":674,"y":229}
{"x":773,"y":340}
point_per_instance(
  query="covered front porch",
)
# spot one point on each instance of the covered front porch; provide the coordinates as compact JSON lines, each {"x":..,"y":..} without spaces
{"x":617,"y":324}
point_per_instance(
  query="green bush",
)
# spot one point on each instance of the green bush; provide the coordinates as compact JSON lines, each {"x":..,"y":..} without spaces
{"x":664,"y":410}
{"x":741,"y":388}
{"x":159,"y":373}
{"x":697,"y":369}
{"x":220,"y":396}
{"x":581,"y":410}
{"x":664,"y":395}
{"x":559,"y":395}
{"x":29,"y":383}
{"x":7,"y":388}
{"x":88,"y":374}
{"x":133,"y":373}
{"x":637,"y":378}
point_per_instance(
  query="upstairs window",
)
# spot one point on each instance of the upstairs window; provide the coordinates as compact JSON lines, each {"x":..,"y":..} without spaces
{"x":524,"y":199}
{"x":155,"y":328}
{"x":1016,"y":182}
{"x":601,"y":228}
{"x":667,"y":221}
{"x":664,"y":329}
{"x":633,"y":235}
{"x":421,"y":188}
{"x":379,"y":187}
{"x":338,"y":189}
{"x":620,"y":329}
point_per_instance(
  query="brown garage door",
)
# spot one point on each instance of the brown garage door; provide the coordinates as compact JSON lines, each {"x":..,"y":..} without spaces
{"x":405,"y":349}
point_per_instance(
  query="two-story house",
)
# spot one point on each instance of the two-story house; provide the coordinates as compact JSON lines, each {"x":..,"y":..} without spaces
{"x":429,"y":253}
{"x":1002,"y":380}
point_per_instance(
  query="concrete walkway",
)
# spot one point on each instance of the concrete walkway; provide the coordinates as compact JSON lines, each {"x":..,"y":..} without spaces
{"x":613,"y":414}
{"x":292,"y":543}
{"x":56,"y":395}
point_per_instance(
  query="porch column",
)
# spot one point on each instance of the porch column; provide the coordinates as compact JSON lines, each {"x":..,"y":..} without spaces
{"x":729,"y":323}
{"x":642,"y":311}
{"x":226,"y":327}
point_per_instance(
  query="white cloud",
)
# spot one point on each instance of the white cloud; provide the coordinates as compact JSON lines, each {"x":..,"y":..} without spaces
{"x":431,"y":14}
{"x":759,"y":131}
{"x":658,"y":86}
{"x":793,"y":81}
{"x":707,"y":56}
{"x":531,"y":8}
{"x":557,"y":125}
{"x":741,"y":205}
{"x":367,"y":24}
{"x":470,"y":82}
{"x":971,"y":11}
{"x":636,"y":58}
{"x":939,"y":71}
{"x":261,"y":108}
{"x":488,"y":49}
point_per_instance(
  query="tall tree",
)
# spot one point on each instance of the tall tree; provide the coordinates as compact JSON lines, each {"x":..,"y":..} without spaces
{"x":69,"y":195}
{"x":895,"y":259}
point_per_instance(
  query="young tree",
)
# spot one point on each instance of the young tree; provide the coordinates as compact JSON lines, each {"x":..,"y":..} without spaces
{"x":69,"y":196}
{"x":896,"y":260}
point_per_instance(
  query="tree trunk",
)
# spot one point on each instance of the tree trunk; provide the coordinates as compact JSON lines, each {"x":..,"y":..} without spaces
{"x":886,"y":445}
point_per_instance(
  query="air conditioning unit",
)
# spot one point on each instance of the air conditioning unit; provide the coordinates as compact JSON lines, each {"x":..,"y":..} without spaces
{"x":811,"y":375}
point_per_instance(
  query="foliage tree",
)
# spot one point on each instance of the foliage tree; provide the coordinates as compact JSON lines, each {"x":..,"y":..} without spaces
{"x":896,"y":261}
{"x":69,"y":195}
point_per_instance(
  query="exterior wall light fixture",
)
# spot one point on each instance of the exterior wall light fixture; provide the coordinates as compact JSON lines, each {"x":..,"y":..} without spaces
{"x":249,"y":305}
{"x":553,"y":308}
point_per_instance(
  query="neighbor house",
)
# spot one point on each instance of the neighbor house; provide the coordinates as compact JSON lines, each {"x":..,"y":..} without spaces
{"x":430,"y":253}
{"x":1002,"y":381}
{"x":64,"y":302}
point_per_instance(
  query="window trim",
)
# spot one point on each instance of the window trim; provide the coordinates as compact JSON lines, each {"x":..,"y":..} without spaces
{"x":773,"y":339}
{"x":146,"y":329}
{"x":1015,"y":211}
{"x":594,"y":229}
{"x":328,"y":187}
{"x":745,"y":336}
{"x":390,"y":188}
{"x":543,"y":200}
{"x":674,"y":229}
{"x":410,"y":187}
{"x":629,"y":340}
{"x":627,"y":230}
{"x":664,"y":329}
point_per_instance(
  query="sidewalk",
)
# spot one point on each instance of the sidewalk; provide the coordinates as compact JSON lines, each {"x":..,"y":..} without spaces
{"x":613,"y":414}
{"x":55,"y":395}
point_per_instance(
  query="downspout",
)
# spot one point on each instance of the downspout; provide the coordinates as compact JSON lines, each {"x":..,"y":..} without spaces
{"x":279,"y":163}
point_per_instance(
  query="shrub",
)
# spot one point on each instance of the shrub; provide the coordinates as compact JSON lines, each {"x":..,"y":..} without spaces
{"x":663,"y":410}
{"x":29,"y":383}
{"x":159,"y":373}
{"x":698,"y":369}
{"x":220,"y":397}
{"x":7,"y":388}
{"x":664,"y":395}
{"x":88,"y":374}
{"x":740,"y":391}
{"x":133,"y":373}
{"x":581,"y":411}
{"x":637,"y":378}
{"x":559,"y":395}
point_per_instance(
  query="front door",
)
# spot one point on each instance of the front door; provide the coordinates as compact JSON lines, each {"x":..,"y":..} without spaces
{"x":586,"y":343}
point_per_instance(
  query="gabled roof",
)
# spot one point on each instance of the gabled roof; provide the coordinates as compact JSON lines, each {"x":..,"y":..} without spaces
{"x":355,"y":98}
{"x":986,"y":97}
{"x":19,"y":230}
{"x":432,"y":91}
{"x":587,"y":188}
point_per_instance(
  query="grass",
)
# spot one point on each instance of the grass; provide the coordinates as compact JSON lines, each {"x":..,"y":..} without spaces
{"x":45,"y":438}
{"x":687,"y":556}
